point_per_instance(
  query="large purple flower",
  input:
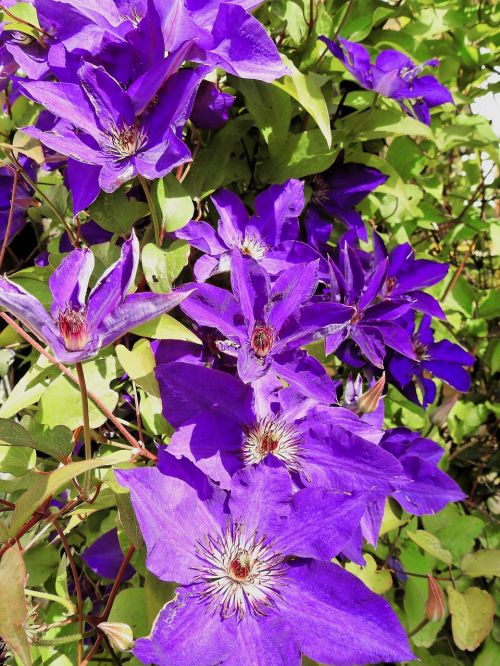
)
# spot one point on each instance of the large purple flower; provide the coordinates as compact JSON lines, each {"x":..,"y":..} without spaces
{"x":120,"y":134}
{"x":335,"y":193}
{"x":266,"y":325}
{"x":269,"y":236}
{"x":78,"y":327}
{"x":243,"y":600}
{"x":393,"y":75}
{"x":319,"y":446}
{"x":442,"y":359}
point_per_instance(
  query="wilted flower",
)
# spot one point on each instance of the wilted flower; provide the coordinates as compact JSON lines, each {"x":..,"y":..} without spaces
{"x":78,"y":327}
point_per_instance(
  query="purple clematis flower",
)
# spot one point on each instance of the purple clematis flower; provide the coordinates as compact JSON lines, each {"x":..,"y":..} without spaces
{"x":119,"y":134}
{"x":393,"y":75}
{"x":269,"y":236}
{"x":242,"y":597}
{"x":382,"y":287}
{"x":335,"y":193}
{"x":442,"y":359}
{"x":319,"y":446}
{"x":266,"y":325}
{"x":78,"y":327}
{"x":211,"y":106}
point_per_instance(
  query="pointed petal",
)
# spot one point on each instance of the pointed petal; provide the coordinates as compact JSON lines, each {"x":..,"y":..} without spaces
{"x":216,"y":308}
{"x":135,"y":310}
{"x":306,"y":374}
{"x":251,"y":286}
{"x":233,"y":217}
{"x":335,"y":632}
{"x":83,"y":181}
{"x":277,"y":211}
{"x":293,"y":288}
{"x":112,"y":287}
{"x":69,"y":282}
{"x":202,"y":236}
{"x":110,"y":102}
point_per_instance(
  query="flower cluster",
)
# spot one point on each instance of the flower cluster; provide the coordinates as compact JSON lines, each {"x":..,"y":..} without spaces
{"x":274,"y":469}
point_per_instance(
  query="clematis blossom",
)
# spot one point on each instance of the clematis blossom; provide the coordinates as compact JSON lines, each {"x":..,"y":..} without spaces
{"x":266,"y":325}
{"x":78,"y":327}
{"x":270,"y":236}
{"x":393,"y":75}
{"x":320,"y":446}
{"x":116,"y":134}
{"x":241,"y":594}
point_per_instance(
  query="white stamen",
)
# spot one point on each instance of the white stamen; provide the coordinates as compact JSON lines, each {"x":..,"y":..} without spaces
{"x":273,"y":436}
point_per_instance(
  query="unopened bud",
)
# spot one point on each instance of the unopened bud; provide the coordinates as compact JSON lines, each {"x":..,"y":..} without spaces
{"x":368,"y":402}
{"x":435,"y":607}
{"x":119,"y":635}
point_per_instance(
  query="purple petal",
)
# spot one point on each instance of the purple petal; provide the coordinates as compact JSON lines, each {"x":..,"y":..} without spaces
{"x":292,"y":289}
{"x":430,"y":490}
{"x":306,"y":374}
{"x":233,"y":217}
{"x":69,"y":282}
{"x":452,"y":373}
{"x":111,"y":104}
{"x":251,"y":286}
{"x":84,"y":184}
{"x":364,"y":630}
{"x":277,"y":211}
{"x":202,"y":236}
{"x":105,"y":556}
{"x":112,"y":287}
{"x":216,"y":308}
{"x":172,"y":518}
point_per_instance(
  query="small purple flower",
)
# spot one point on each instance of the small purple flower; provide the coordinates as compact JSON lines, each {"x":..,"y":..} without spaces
{"x":335,"y":193}
{"x":266,"y":325}
{"x":242,"y":598}
{"x":382,"y":287}
{"x":105,"y":556}
{"x":78,"y":327}
{"x":442,"y":359}
{"x":120,"y":134}
{"x":211,"y":106}
{"x":393,"y":75}
{"x":320,"y":446}
{"x":270,"y":236}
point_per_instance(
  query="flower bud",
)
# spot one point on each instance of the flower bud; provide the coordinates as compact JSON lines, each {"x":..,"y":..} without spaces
{"x":435,"y":607}
{"x":119,"y":635}
{"x":368,"y":402}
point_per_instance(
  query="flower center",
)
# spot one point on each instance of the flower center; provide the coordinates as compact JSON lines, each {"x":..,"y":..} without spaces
{"x":390,"y":284}
{"x":357,"y":316}
{"x":126,"y":141}
{"x":273,"y":436}
{"x":253,"y":247}
{"x":420,"y":349}
{"x":320,"y":191}
{"x":239,"y":574}
{"x":262,"y":340}
{"x":72,"y":324}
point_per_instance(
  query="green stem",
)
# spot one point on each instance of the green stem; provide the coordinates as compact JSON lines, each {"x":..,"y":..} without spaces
{"x":62,"y":639}
{"x":52,"y":597}
{"x":86,"y":421}
{"x":152,"y":208}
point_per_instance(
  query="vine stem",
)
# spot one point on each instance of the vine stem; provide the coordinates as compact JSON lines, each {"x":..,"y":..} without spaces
{"x":10,"y":218}
{"x":138,"y":449}
{"x":109,"y":604}
{"x":152,"y":208}
{"x":86,"y":421}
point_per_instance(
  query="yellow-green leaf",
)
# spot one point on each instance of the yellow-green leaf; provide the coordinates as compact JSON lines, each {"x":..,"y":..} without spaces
{"x":45,"y":485}
{"x":431,"y":545}
{"x":166,"y":328}
{"x":13,"y":608}
{"x":139,"y":364}
{"x":471,"y":616}
{"x":481,"y":563}
{"x":378,"y":581}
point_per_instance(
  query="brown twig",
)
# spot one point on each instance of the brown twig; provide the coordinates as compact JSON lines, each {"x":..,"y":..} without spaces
{"x":139,"y":450}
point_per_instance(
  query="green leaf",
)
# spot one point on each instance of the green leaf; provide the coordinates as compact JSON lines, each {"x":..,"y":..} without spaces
{"x":271,"y":108}
{"x":128,"y":520}
{"x":26,"y":12}
{"x":116,"y":212}
{"x":158,"y":593}
{"x":378,"y":581}
{"x":130,"y":607}
{"x":162,"y":267}
{"x":431,"y":545}
{"x":62,"y":391}
{"x":309,"y":95}
{"x":13,"y":609}
{"x":44,"y":486}
{"x":61,"y":583}
{"x":380,"y":123}
{"x":14,"y":434}
{"x":16,"y":460}
{"x":173,"y":202}
{"x":489,"y":308}
{"x":139,"y":364}
{"x":166,"y":328}
{"x":57,"y":442}
{"x":481,"y":563}
{"x":471,"y":616}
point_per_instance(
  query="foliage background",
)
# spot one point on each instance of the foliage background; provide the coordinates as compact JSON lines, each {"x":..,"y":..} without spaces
{"x":440,"y":196}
